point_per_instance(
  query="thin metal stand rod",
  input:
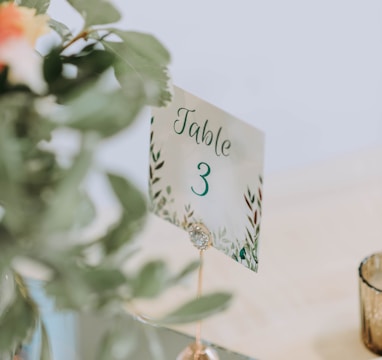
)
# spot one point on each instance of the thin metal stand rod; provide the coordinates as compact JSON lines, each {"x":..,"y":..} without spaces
{"x":198,"y":337}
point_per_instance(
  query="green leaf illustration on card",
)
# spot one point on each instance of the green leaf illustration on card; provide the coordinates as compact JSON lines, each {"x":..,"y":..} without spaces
{"x":206,"y":167}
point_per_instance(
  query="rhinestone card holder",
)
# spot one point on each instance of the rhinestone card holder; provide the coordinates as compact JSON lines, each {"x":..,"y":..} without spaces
{"x":201,"y":238}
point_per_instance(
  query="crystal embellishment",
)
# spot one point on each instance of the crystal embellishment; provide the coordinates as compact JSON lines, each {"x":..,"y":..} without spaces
{"x":200,"y":236}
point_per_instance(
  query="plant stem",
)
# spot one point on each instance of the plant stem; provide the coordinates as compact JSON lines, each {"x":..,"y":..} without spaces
{"x":82,"y":35}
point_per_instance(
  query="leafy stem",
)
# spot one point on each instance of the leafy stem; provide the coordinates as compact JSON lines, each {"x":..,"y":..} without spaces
{"x":82,"y":35}
{"x":22,"y":286}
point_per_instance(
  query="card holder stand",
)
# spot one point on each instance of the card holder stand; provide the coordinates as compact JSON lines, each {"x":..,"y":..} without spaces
{"x":201,"y":238}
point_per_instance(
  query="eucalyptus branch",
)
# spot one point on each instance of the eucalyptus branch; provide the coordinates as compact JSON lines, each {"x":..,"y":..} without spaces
{"x":57,"y":206}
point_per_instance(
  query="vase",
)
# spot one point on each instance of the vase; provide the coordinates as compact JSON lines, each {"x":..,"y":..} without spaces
{"x":61,"y":327}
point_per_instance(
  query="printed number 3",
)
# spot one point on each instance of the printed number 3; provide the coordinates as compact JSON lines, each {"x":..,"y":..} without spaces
{"x":203,"y":176}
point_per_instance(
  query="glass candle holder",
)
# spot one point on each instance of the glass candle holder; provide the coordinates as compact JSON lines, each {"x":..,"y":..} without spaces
{"x":370,"y":291}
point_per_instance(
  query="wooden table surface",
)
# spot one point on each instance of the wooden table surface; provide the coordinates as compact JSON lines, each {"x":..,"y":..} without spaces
{"x":319,"y":222}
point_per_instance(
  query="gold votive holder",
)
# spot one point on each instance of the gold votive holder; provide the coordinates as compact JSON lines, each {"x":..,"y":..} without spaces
{"x":370,"y":291}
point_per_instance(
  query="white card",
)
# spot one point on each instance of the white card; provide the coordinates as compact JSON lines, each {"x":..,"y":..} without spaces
{"x":206,"y":167}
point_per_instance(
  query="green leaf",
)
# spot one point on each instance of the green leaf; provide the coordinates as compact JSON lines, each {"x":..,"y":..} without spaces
{"x":119,"y":342}
{"x":11,"y":165}
{"x":9,"y":248}
{"x":68,"y":287}
{"x":91,"y":109}
{"x":187,"y":270}
{"x":151,"y":280}
{"x":52,"y":66}
{"x":101,"y":12}
{"x":45,"y":353}
{"x":77,"y":286}
{"x":101,"y":280}
{"x":41,"y":6}
{"x":144,"y":46}
{"x":3,"y":78}
{"x":119,"y":235}
{"x":74,"y":286}
{"x":85,"y":211}
{"x":61,"y":29}
{"x":60,"y":214}
{"x":9,"y":355}
{"x":141,"y":67}
{"x":77,"y":209}
{"x":154,"y":343}
{"x":198,"y":309}
{"x":133,"y":216}
{"x":7,"y":288}
{"x":91,"y":61}
{"x":18,"y":321}
{"x":132,"y":201}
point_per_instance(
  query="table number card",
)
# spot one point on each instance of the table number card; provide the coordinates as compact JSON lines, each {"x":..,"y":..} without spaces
{"x":206,"y":167}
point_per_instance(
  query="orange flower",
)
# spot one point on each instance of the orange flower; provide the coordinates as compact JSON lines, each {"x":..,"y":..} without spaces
{"x":18,"y":21}
{"x":10,"y":22}
{"x":20,"y":28}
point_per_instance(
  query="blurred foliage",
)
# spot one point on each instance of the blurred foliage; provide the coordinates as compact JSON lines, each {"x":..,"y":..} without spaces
{"x":45,"y":205}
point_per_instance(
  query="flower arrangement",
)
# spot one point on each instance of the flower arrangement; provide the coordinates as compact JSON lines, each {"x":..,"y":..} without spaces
{"x":45,"y":207}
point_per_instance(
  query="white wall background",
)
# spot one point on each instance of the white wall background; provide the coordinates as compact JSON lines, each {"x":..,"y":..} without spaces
{"x":308,"y":73}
